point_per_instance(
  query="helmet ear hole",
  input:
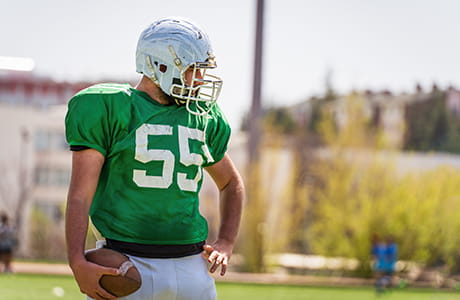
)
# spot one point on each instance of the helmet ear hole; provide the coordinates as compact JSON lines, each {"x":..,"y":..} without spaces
{"x":163,"y":68}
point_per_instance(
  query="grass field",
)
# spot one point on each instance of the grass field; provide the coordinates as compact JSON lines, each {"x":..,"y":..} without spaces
{"x":47,"y":287}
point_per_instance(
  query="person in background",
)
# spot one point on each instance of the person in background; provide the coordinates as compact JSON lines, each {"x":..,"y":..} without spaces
{"x":7,"y":242}
{"x":378,"y":252}
{"x":391,"y":257}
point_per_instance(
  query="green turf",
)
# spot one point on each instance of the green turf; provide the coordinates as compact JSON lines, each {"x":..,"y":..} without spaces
{"x":229,"y":291}
{"x":38,"y":287}
{"x":47,"y":287}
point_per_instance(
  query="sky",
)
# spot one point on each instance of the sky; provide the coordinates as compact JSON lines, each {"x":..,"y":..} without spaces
{"x":362,"y":44}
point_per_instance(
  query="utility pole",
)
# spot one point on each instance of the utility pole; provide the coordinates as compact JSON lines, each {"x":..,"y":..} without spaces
{"x":255,"y":211}
{"x":255,"y":114}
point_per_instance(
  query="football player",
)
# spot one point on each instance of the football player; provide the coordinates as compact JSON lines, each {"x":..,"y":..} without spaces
{"x":137,"y":161}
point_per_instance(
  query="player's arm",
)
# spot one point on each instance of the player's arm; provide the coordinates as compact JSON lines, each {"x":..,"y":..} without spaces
{"x":231,"y":188}
{"x":86,"y":167}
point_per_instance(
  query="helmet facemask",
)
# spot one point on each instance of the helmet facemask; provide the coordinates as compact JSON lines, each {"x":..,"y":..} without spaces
{"x":201,"y":88}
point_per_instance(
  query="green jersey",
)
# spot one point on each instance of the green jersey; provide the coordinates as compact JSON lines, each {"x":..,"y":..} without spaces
{"x":154,"y":154}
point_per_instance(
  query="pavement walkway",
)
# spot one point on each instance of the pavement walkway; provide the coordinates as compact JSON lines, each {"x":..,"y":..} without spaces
{"x":41,"y":268}
{"x":260,"y":278}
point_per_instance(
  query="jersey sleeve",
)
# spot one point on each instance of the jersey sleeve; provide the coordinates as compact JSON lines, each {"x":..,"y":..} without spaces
{"x":87,"y":123}
{"x":218,"y":137}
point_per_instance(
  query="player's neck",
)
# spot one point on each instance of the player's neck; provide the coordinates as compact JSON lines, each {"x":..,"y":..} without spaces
{"x":146,"y":85}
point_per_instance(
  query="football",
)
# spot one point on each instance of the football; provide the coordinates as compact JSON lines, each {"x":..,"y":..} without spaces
{"x":130,"y":279}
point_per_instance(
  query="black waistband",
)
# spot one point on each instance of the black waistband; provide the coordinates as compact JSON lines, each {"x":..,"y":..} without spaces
{"x":155,"y":251}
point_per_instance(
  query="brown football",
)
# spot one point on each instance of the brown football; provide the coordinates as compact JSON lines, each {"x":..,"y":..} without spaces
{"x":120,"y":286}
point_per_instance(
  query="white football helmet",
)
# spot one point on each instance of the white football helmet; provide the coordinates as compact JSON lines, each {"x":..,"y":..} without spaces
{"x":166,"y":50}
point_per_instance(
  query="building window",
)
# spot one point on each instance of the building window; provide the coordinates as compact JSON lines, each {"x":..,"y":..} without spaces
{"x":47,"y":140}
{"x":46,"y":176}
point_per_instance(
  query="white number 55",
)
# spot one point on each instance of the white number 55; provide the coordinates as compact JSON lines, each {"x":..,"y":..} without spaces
{"x":145,"y":155}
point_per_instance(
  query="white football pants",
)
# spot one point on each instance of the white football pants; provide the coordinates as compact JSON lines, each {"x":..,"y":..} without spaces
{"x":184,"y":278}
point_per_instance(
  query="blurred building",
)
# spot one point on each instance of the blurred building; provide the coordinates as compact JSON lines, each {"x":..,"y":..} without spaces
{"x":34,"y":156}
{"x":24,"y":89}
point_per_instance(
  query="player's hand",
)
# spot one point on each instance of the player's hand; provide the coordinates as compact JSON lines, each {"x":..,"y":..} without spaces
{"x":218,"y":254}
{"x":88,"y":274}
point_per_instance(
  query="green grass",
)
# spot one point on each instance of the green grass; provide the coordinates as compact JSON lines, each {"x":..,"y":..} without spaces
{"x":229,"y":291}
{"x":41,"y":287}
{"x":37,"y":287}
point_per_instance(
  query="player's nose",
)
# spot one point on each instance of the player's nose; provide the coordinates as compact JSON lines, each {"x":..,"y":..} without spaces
{"x":199,"y":76}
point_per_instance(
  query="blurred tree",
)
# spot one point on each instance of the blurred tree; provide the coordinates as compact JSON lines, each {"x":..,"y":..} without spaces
{"x":431,"y":126}
{"x":279,"y":120}
{"x":357,"y":193}
{"x":340,"y":211}
{"x":342,"y":189}
{"x":47,"y":238}
{"x":253,"y":228}
{"x":426,"y":123}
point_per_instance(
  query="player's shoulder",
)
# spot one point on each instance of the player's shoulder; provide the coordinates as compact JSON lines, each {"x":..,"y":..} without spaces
{"x":103,"y":95}
{"x":216,"y":112}
{"x":217,"y":115}
{"x":106,"y":89}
